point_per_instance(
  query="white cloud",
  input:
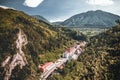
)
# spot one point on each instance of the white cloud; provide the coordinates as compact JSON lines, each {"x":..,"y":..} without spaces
{"x":100,"y":2}
{"x":5,"y":7}
{"x":32,"y":3}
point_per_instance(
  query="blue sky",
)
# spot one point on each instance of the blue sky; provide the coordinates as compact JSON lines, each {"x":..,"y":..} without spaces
{"x":59,"y":10}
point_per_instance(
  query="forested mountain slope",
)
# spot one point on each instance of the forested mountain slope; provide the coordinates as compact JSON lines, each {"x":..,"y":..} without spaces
{"x":26,"y":42}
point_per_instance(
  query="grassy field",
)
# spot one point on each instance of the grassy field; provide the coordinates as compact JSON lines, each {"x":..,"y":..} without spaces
{"x":89,"y":31}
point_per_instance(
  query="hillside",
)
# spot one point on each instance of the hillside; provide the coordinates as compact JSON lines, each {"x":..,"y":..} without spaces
{"x":26,"y":42}
{"x":90,"y":19}
{"x":100,"y":61}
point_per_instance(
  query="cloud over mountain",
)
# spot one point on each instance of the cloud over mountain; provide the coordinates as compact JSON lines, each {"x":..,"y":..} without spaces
{"x":100,"y":2}
{"x":60,"y":10}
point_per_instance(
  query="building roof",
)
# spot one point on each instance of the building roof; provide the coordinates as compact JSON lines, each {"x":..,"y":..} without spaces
{"x":46,"y":65}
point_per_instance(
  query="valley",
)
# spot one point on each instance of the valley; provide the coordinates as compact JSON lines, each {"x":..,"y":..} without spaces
{"x":32,"y":48}
{"x":101,"y":59}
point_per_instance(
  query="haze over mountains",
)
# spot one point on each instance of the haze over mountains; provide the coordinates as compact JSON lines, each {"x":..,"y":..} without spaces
{"x":41,"y":18}
{"x":96,"y":18}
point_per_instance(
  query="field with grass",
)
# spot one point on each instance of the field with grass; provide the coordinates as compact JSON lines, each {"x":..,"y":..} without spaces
{"x":89,"y":31}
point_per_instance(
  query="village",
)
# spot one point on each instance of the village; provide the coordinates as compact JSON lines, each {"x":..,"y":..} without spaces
{"x":71,"y":53}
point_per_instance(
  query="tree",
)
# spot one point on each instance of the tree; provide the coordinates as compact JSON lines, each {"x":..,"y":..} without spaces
{"x":117,"y":21}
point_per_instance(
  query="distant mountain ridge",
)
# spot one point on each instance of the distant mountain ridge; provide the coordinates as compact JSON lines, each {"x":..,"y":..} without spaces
{"x":96,"y":18}
{"x":57,"y":23}
{"x":41,"y":18}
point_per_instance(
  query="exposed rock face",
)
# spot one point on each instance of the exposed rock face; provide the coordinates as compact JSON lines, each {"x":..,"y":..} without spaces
{"x":17,"y":59}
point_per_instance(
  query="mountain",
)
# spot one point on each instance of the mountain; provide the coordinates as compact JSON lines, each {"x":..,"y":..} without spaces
{"x":41,"y":18}
{"x":96,"y":18}
{"x":26,"y":42}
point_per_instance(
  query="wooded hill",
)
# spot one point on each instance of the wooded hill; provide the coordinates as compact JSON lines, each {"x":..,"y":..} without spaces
{"x":100,"y":61}
{"x":45,"y":43}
